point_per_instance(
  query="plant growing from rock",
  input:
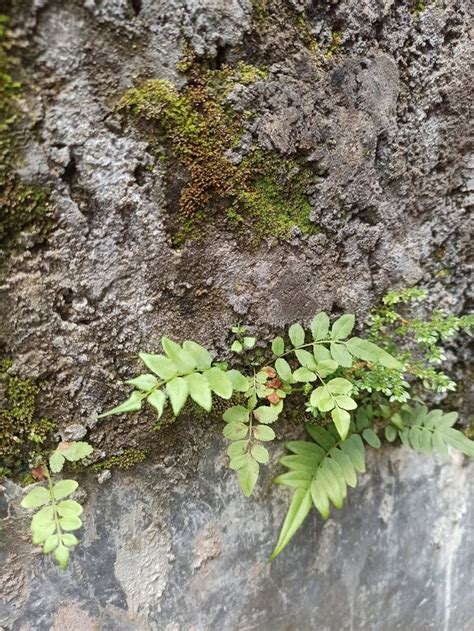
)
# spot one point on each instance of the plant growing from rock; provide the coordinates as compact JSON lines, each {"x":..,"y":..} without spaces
{"x":57,"y":517}
{"x":356,"y":391}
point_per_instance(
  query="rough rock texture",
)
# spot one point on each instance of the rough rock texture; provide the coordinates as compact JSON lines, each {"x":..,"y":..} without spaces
{"x":168,"y":554}
{"x":380,"y":112}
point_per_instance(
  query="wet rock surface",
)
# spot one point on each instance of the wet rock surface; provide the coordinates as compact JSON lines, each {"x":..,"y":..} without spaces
{"x":380,"y":114}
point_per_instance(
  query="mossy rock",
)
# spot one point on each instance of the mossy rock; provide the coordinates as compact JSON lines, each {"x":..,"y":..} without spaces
{"x":263,"y":195}
{"x":23,"y":434}
{"x":22,"y":206}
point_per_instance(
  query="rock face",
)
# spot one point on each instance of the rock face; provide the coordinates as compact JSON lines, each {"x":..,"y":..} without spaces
{"x":373,"y":97}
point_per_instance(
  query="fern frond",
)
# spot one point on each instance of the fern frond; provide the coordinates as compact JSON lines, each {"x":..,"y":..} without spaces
{"x":320,"y":471}
{"x":426,"y":430}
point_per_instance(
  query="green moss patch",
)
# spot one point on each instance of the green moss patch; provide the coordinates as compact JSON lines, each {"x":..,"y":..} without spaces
{"x":128,"y":459}
{"x":22,"y":432}
{"x":264,"y":194}
{"x":21,"y":206}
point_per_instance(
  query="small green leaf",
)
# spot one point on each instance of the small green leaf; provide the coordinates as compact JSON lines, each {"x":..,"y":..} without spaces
{"x":306,"y":359}
{"x":236,"y":414}
{"x":132,"y":404}
{"x":341,"y":355}
{"x":69,"y":540}
{"x":143,"y":382}
{"x":237,"y":448}
{"x":177,"y":390}
{"x":67,"y":508}
{"x":304,"y":375}
{"x":252,"y":402}
{"x":345,"y":402}
{"x":363,"y":349}
{"x":248,"y":476}
{"x":297,"y":512}
{"x":37,"y":497}
{"x":354,"y":448}
{"x":321,"y":398}
{"x":320,"y":436}
{"x":238,"y":462}
{"x":263,"y":433}
{"x":321,"y":353}
{"x":160,"y":365}
{"x":62,"y":556}
{"x":42,"y":531}
{"x":326,"y":367}
{"x":201,"y":355}
{"x":296,"y":334}
{"x":77,"y":451}
{"x":50,"y":544}
{"x":71,"y":522}
{"x":320,"y":326}
{"x":63,"y":488}
{"x":237,"y":347}
{"x":235,"y":431}
{"x":267,"y":413}
{"x":397,"y":420}
{"x":390,"y":433}
{"x":44,"y":517}
{"x":56,"y":461}
{"x":320,"y":499}
{"x":342,"y":327}
{"x":157,"y":399}
{"x":362,"y":418}
{"x":220,"y":382}
{"x":249,"y":342}
{"x":200,"y":390}
{"x":371,"y":438}
{"x":457,"y":440}
{"x":238,"y":380}
{"x":283,"y":369}
{"x":183,"y":360}
{"x":339,"y":385}
{"x":305,"y":448}
{"x":278,"y":346}
{"x":260,"y":453}
{"x":342,"y":421}
{"x":438,"y":443}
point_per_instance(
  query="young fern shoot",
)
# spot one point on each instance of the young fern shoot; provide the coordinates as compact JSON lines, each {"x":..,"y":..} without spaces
{"x":57,"y":517}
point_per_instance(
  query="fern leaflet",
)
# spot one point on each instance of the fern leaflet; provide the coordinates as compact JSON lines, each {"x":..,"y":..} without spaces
{"x":425,"y":430}
{"x":320,"y":471}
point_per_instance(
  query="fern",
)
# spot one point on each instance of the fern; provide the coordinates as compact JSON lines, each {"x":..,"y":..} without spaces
{"x":320,"y":471}
{"x":424,"y":430}
{"x":358,"y":386}
{"x":52,"y":524}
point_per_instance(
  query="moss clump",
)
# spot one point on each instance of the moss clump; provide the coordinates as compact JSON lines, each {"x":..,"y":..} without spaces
{"x":21,"y":205}
{"x":22,"y":434}
{"x":199,"y":130}
{"x":276,"y":198}
{"x":128,"y":459}
{"x":260,"y":10}
{"x":263,"y":193}
{"x":419,"y":7}
{"x":335,"y":45}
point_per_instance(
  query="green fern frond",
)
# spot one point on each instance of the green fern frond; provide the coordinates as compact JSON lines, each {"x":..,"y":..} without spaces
{"x":425,"y":430}
{"x":320,"y":471}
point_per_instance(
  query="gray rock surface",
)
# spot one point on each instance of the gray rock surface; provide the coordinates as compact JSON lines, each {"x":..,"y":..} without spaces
{"x":383,"y":121}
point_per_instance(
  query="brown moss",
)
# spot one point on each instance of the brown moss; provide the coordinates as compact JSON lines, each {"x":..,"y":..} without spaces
{"x":263,"y":193}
